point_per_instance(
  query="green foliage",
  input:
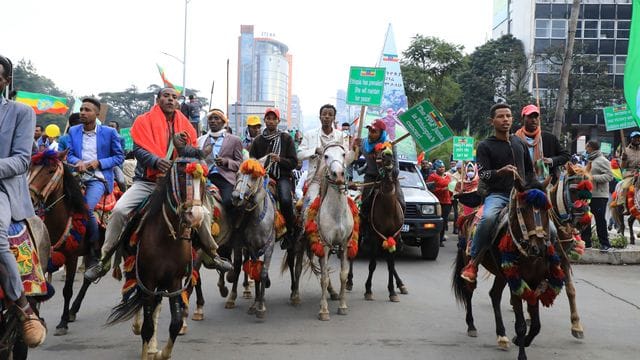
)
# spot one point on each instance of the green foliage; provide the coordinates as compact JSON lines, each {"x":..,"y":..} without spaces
{"x":619,"y":241}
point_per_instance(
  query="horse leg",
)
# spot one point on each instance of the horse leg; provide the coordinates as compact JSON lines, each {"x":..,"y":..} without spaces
{"x":237,"y":265}
{"x":198,"y":313}
{"x":295,"y":300}
{"x":265,"y":282}
{"x":403,"y":289}
{"x":70,"y":273}
{"x":350,"y":276}
{"x":136,"y":325}
{"x":344,"y":273}
{"x":323,"y":314}
{"x":393,"y":296}
{"x":471,"y":327}
{"x":496,"y":297}
{"x":333,"y":295}
{"x":632,"y":236}
{"x":153,"y":343}
{"x":520,"y":326}
{"x":78,"y":301}
{"x":148,"y":327}
{"x":534,"y":328}
{"x":368,"y":295}
{"x":174,"y":327}
{"x":570,"y":289}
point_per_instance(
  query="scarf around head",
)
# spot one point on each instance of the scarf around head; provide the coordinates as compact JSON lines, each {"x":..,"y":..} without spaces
{"x":369,"y":147}
{"x":275,"y":146}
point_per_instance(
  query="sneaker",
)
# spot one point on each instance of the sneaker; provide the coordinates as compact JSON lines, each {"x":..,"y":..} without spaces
{"x":605,"y":248}
{"x":33,"y":332}
{"x":96,"y":272}
{"x":470,"y":272}
{"x":221,"y":264}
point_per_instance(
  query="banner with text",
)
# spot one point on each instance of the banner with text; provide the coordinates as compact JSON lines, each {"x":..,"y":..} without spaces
{"x":366,"y":85}
{"x":426,"y":125}
{"x":618,"y":117}
{"x":463,"y":148}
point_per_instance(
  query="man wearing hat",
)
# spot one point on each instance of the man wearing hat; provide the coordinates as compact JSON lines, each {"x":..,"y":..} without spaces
{"x":281,"y":162}
{"x":252,"y":131}
{"x":544,"y":147}
{"x":225,"y":155}
{"x":630,"y":163}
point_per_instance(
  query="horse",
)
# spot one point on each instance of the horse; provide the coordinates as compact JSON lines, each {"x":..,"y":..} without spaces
{"x":57,"y":197}
{"x":159,"y":253}
{"x":524,"y":258}
{"x":11,"y":343}
{"x":570,"y":215}
{"x":385,"y":222}
{"x":632,"y":202}
{"x":256,"y":230}
{"x":332,"y":224}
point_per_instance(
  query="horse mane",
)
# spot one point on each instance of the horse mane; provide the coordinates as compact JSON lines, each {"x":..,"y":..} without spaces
{"x":157,"y":197}
{"x":73,"y":198}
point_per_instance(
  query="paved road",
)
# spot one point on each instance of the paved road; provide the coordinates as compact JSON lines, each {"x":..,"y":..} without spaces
{"x":426,"y":324}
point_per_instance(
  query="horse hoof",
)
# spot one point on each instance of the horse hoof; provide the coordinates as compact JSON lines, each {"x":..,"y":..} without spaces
{"x":335,"y":297}
{"x":368,"y":296}
{"x":247,"y":295}
{"x":136,"y":329}
{"x":72,"y":317}
{"x":394,"y":298}
{"x":295,"y":301}
{"x":323,"y":317}
{"x":348,"y":287}
{"x":224,"y":292}
{"x":473,"y":333}
{"x":197,"y":316}
{"x":343,"y":311}
{"x":404,"y":290}
{"x":183,"y":329}
{"x":61,"y":331}
{"x":229,"y":305}
{"x":251,"y":311}
{"x":578,"y":334}
{"x":231,"y":276}
{"x":260,"y":314}
{"x":503,"y":342}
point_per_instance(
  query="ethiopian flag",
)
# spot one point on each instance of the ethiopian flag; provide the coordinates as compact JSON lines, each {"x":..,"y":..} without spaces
{"x":632,"y":66}
{"x":166,"y":81}
{"x":42,"y":103}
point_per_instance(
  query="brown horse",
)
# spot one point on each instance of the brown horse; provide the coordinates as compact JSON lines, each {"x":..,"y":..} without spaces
{"x":384,"y":223}
{"x":159,"y":252}
{"x":570,"y":215}
{"x":631,"y":204}
{"x":57,"y":197}
{"x":524,"y":258}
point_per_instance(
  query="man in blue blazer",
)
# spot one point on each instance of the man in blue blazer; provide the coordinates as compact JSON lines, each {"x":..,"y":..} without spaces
{"x":94,"y":151}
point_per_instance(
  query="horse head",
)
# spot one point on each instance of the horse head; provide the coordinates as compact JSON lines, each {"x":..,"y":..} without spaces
{"x":384,"y":159}
{"x":334,"y":157}
{"x":529,"y":218}
{"x":248,"y":182}
{"x":45,"y":174}
{"x":187,"y":180}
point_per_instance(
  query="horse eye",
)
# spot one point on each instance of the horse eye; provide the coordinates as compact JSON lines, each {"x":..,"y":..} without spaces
{"x":326,"y":156}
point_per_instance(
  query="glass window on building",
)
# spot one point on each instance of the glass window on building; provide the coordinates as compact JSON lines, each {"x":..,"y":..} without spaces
{"x":622,"y":46}
{"x":620,"y":61}
{"x":560,"y":11}
{"x":558,"y":29}
{"x":607,"y":11}
{"x":606,"y":46}
{"x":607,"y":29}
{"x":609,"y":61}
{"x":591,"y":11}
{"x":590,"y":30}
{"x":543,"y":11}
{"x":543,"y":28}
{"x":579,"y":29}
{"x":624,"y":12}
{"x":622,"y":31}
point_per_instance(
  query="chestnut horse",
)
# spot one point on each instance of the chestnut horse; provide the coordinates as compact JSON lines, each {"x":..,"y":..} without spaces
{"x":524,"y":258}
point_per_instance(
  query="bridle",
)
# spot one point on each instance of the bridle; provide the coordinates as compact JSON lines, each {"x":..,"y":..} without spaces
{"x":525,"y":245}
{"x":194,"y":185}
{"x":340,"y":187}
{"x":40,"y":196}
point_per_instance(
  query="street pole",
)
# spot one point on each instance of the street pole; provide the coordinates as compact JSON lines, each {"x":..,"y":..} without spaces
{"x":184,"y":52}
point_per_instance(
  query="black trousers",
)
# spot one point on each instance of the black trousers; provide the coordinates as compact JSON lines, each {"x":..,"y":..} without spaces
{"x":446,"y":209}
{"x":225,"y":188}
{"x":599,"y":210}
{"x":284,"y":186}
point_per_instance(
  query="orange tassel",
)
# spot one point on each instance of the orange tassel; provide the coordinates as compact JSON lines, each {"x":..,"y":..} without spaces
{"x":318,"y":249}
{"x":129,"y":263}
{"x":352,"y":249}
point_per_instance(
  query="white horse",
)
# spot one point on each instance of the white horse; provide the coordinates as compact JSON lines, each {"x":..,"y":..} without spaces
{"x":330,"y":224}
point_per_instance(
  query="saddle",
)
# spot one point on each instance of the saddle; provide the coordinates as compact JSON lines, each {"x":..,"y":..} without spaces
{"x":503,"y":220}
{"x":23,"y":248}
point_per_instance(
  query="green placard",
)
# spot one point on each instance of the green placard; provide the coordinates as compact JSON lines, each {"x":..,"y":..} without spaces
{"x":128,"y":140}
{"x":463,"y":148}
{"x":426,"y":124}
{"x":605,"y":147}
{"x":618,"y":117}
{"x":366,"y":85}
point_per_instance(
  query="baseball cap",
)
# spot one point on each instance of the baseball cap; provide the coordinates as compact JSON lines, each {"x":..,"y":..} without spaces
{"x":273,"y":110}
{"x":253,"y":120}
{"x":530,"y":109}
{"x":634,"y":134}
{"x":378,"y":124}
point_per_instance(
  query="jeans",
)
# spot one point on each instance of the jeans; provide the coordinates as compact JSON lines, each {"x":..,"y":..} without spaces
{"x":225,"y":190}
{"x":284,"y":188}
{"x":493,"y":204}
{"x":11,"y":283}
{"x":93,"y":193}
{"x":598,"y":209}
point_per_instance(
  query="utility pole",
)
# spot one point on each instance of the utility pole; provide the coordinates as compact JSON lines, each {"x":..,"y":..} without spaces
{"x":184,"y":52}
{"x":566,"y":69}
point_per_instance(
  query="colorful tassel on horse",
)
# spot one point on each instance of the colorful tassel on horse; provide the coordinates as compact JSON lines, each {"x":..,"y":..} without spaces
{"x":584,"y":194}
{"x":253,"y":268}
{"x":352,"y":249}
{"x":585,"y":185}
{"x":585,"y":219}
{"x":197,"y":170}
{"x":317,"y":248}
{"x":506,"y":243}
{"x":129,"y":263}
{"x":252,"y":167}
{"x":537,"y":198}
{"x":215,"y":229}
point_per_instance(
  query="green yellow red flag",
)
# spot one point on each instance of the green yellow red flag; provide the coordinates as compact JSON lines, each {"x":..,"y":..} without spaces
{"x":42,"y":103}
{"x":166,"y":81}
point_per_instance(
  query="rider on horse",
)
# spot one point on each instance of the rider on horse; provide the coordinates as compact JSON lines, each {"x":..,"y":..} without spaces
{"x":312,"y":148}
{"x":630,"y":163}
{"x":500,"y":157}
{"x":154,"y":135}
{"x":94,"y":148}
{"x":17,"y":123}
{"x":280,"y":162}
{"x":377,"y":135}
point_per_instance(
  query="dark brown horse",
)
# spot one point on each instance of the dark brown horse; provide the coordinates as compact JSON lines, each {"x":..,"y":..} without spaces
{"x":57,"y":197}
{"x":524,"y":258}
{"x":384,"y":223}
{"x":159,"y":253}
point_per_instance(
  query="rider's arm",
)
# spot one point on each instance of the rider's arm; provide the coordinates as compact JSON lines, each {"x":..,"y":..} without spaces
{"x":20,"y":156}
{"x":73,"y":154}
{"x":144,"y":157}
{"x":288,"y":158}
{"x":483,"y":155}
{"x":563,"y":155}
{"x":306,"y":149}
{"x":117,"y":154}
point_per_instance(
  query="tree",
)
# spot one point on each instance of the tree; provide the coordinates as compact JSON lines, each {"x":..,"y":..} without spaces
{"x":498,"y":72}
{"x":125,"y":106}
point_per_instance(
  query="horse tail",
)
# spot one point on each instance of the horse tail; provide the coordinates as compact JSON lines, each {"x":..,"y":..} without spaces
{"x":458,"y":284}
{"x":285,"y":262}
{"x":126,"y":309}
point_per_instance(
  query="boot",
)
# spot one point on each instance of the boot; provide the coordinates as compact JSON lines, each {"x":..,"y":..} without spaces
{"x":98,"y":270}
{"x":470,"y":271}
{"x":33,"y":332}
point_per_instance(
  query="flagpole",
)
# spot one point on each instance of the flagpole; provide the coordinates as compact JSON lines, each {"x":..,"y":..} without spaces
{"x":213,"y":82}
{"x":184,"y":52}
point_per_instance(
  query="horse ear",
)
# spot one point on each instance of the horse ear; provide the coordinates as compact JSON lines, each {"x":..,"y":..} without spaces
{"x":62,"y":155}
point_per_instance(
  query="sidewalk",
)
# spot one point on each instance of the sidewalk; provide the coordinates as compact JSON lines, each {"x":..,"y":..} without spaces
{"x":629,"y":255}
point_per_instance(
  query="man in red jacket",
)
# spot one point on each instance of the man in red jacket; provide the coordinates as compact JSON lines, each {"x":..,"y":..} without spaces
{"x":441,"y":179}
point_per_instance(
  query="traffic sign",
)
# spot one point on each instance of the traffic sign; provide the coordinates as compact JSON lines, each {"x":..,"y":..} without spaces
{"x":426,"y":125}
{"x":463,"y":148}
{"x":605,"y":147}
{"x":618,"y":117}
{"x":366,"y":85}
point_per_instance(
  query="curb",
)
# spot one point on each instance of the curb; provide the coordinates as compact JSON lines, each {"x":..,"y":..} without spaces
{"x":628,"y":255}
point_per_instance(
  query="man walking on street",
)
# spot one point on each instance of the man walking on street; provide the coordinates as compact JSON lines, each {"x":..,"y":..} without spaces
{"x":600,"y":169}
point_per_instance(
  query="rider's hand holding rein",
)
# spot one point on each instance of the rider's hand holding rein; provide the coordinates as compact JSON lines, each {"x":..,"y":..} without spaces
{"x":507,"y":169}
{"x":275,"y":158}
{"x":180,"y":140}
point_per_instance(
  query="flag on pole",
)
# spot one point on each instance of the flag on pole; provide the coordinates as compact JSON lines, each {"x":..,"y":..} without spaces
{"x":42,"y":103}
{"x":168,"y":83}
{"x":632,"y":65}
{"x":355,"y":121}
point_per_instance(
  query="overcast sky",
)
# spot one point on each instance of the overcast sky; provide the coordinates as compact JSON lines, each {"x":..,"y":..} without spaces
{"x":94,"y":46}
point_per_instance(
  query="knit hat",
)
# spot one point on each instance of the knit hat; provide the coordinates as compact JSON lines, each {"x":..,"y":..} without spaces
{"x":218,"y":113}
{"x":438,"y":163}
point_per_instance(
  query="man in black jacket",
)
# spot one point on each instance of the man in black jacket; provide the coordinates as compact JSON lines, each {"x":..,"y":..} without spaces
{"x":282,"y":158}
{"x":544,"y":147}
{"x":500,"y":158}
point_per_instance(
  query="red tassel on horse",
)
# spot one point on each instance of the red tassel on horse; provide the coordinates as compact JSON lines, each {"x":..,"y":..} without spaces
{"x":352,"y":249}
{"x":318,"y":249}
{"x":57,"y":258}
{"x":506,"y":244}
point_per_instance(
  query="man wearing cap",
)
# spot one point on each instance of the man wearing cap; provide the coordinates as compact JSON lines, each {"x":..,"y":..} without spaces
{"x":544,"y":147}
{"x":252,"y":131}
{"x":94,"y":151}
{"x":377,"y":135}
{"x":225,"y":155}
{"x":630,"y":163}
{"x":312,"y":147}
{"x":152,"y":133}
{"x":281,"y":162}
